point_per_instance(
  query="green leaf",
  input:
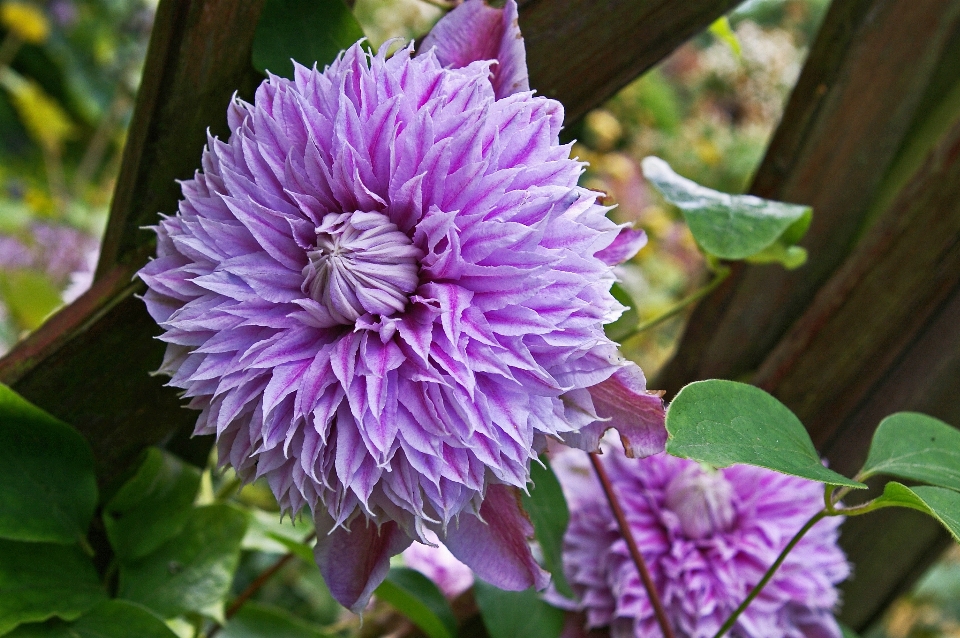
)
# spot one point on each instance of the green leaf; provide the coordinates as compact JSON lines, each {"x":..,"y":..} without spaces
{"x":152,"y":507}
{"x":847,"y":632}
{"x":508,"y":614}
{"x":266,"y":533}
{"x":628,"y":321}
{"x":30,"y":296}
{"x":941,"y":503}
{"x":109,"y":619}
{"x":915,"y":446}
{"x":731,"y":226}
{"x":42,"y":580}
{"x":309,"y":31}
{"x":193,"y":570}
{"x":724,"y":422}
{"x":418,"y":598}
{"x":48,"y":489}
{"x":724,"y":32}
{"x":549,"y":514}
{"x":255,"y":620}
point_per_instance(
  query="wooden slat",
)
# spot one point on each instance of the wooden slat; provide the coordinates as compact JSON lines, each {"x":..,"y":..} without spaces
{"x":893,"y":548}
{"x":89,"y":363}
{"x":199,"y":55}
{"x":847,"y":116}
{"x":581,"y":52}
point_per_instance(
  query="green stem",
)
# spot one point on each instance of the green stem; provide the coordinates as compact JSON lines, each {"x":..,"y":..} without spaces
{"x":720,"y":275}
{"x":731,"y":621}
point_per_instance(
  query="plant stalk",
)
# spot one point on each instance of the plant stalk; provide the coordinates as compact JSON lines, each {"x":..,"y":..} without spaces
{"x":255,"y":586}
{"x":720,"y":275}
{"x":627,"y":534}
{"x":731,"y":621}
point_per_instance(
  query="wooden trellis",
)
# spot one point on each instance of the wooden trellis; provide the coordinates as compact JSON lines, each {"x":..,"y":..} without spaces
{"x":879,"y":313}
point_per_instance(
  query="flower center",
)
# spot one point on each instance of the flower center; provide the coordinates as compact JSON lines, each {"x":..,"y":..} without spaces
{"x":362,"y":264}
{"x":703,"y":501}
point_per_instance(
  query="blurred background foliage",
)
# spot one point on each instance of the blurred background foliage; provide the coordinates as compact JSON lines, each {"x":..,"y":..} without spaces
{"x":69,"y":71}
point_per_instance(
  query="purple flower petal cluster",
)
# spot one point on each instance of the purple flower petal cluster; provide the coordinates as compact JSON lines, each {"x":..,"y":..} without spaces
{"x":707,"y":537}
{"x":386,"y":290}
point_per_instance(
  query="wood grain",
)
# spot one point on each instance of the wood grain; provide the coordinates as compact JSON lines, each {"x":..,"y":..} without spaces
{"x":854,"y":102}
{"x":199,"y":55}
{"x":581,"y":52}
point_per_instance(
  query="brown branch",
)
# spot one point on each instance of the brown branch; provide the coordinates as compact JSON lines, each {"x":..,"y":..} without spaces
{"x":632,"y":545}
{"x":255,"y":586}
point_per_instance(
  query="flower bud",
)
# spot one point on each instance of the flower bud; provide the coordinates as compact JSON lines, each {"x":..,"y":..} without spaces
{"x":703,"y":501}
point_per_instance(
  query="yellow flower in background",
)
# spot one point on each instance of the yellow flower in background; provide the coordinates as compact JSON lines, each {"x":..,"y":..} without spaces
{"x":25,"y":20}
{"x":45,"y":120}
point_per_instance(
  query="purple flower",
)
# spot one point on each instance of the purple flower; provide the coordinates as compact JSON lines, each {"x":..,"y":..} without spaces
{"x":707,"y":537}
{"x":386,"y":290}
{"x":439,"y":565}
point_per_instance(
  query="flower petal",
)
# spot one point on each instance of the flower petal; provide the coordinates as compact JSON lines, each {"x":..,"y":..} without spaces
{"x":496,"y":548}
{"x":624,"y":403}
{"x":625,"y":246}
{"x":473,"y":31}
{"x":354,"y":561}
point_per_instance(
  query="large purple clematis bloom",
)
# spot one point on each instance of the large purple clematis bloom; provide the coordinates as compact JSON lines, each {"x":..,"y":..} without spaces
{"x":386,"y":290}
{"x":707,"y":537}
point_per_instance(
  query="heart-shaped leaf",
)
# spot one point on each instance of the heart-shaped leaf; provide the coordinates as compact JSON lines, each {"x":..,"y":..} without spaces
{"x":193,"y":570}
{"x":917,"y":447}
{"x":724,"y":422}
{"x":418,"y":598}
{"x":308,"y":31}
{"x":152,"y":506}
{"x":45,"y":580}
{"x":46,"y":470}
{"x":941,"y":503}
{"x":732,"y":226}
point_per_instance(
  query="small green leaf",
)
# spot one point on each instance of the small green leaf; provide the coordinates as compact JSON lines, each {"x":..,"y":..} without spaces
{"x":109,"y":619}
{"x":730,"y":226}
{"x":418,"y":598}
{"x":549,"y":514}
{"x":46,"y":470}
{"x":724,"y":422}
{"x":255,"y":620}
{"x":941,"y":503}
{"x":30,"y":296}
{"x":914,"y":446}
{"x":628,"y":321}
{"x":193,"y":570}
{"x":308,"y":31}
{"x":266,"y":533}
{"x":152,"y":507}
{"x":42,"y":580}
{"x":724,"y":32}
{"x":509,"y":614}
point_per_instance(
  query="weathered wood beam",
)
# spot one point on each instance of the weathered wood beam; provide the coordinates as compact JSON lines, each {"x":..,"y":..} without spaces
{"x":581,"y":52}
{"x":199,"y":54}
{"x":89,"y":363}
{"x":883,"y":335}
{"x":853,"y":104}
